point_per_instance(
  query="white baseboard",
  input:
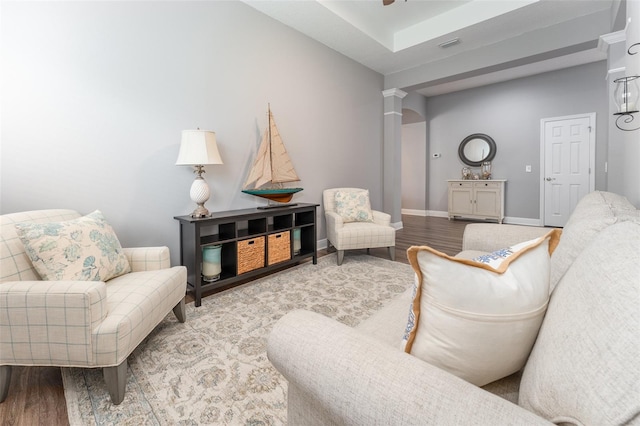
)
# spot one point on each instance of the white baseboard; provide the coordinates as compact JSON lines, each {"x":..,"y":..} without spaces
{"x":527,"y":221}
{"x":322,"y":244}
{"x":424,"y":213}
{"x":397,"y":225}
{"x":412,"y":212}
{"x":437,"y":213}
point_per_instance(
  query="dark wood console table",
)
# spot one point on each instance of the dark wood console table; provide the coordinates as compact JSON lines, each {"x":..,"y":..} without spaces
{"x":271,"y":228}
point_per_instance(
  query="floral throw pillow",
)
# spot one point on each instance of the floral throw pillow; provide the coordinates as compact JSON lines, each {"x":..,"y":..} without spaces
{"x":354,"y":206}
{"x":83,"y":249}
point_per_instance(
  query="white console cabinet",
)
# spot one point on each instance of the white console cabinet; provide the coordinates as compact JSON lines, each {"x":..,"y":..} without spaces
{"x":477,"y":199}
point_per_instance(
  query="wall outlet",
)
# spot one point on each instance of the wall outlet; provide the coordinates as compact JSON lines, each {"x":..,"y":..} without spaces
{"x":437,"y":155}
{"x":527,"y":168}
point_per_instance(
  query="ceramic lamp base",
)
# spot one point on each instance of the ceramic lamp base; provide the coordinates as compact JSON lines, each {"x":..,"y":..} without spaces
{"x":200,"y":194}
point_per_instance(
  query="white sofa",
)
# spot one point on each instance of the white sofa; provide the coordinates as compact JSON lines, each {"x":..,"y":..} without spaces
{"x":80,"y":323}
{"x":584,"y":368}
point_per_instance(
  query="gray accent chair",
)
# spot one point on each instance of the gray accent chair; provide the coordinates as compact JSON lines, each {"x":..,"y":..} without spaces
{"x":584,"y":368}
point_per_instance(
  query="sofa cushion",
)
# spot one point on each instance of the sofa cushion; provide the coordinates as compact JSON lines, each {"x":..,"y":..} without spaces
{"x":478,"y":319}
{"x":585,"y":366}
{"x":592,"y":214}
{"x":354,"y":205}
{"x":83,"y":249}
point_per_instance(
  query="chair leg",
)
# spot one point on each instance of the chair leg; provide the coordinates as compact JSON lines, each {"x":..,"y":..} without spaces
{"x":116,"y":380}
{"x":340,"y":257}
{"x":5,"y":381}
{"x":368,"y":250}
{"x":180,"y":312}
{"x":392,"y":252}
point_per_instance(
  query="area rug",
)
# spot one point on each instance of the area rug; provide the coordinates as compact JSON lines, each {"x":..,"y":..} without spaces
{"x":213,"y":369}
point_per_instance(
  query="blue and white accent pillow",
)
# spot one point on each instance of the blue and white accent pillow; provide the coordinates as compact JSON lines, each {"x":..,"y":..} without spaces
{"x":354,"y":206}
{"x":83,"y":249}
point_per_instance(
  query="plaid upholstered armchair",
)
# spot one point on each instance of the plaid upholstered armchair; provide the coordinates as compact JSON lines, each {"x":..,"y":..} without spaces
{"x":352,"y":224}
{"x":91,"y":319}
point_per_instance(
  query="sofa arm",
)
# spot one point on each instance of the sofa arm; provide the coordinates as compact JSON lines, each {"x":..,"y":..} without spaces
{"x":381,"y":218}
{"x":54,"y":317}
{"x":337,"y":375}
{"x":489,"y":237}
{"x":148,"y":258}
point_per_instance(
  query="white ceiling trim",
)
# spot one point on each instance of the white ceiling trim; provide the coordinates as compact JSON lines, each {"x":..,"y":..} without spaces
{"x":464,"y":16}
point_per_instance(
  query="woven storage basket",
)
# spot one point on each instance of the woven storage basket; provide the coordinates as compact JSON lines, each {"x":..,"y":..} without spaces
{"x":250,"y":254}
{"x":279,"y":247}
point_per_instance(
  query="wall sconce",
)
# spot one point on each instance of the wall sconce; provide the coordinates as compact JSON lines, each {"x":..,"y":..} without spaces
{"x":626,"y":99}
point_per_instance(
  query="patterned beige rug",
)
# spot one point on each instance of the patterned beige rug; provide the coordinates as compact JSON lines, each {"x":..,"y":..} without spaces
{"x":213,"y":369}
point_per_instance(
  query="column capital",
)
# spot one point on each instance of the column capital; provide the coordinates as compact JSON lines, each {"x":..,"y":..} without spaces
{"x":394,"y":92}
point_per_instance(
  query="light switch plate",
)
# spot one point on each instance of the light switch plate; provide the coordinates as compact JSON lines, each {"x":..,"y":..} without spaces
{"x":527,"y":168}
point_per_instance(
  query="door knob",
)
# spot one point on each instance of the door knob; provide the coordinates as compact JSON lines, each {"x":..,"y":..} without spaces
{"x":549,"y":179}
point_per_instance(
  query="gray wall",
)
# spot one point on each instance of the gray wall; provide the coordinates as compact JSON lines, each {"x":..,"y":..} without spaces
{"x":415,"y":153}
{"x":95,"y":95}
{"x":510,"y":113}
{"x":414,"y":166}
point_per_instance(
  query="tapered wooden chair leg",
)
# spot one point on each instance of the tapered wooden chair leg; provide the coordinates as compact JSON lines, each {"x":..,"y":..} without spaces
{"x":340,"y":257}
{"x":5,"y":381}
{"x":392,"y":253}
{"x":180,"y":311}
{"x":116,"y":380}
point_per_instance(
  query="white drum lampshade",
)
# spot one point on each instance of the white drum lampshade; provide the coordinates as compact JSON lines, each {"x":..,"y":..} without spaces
{"x":199,"y":148}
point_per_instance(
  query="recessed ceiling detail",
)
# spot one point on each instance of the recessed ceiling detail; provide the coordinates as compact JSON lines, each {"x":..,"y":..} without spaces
{"x":404,"y":37}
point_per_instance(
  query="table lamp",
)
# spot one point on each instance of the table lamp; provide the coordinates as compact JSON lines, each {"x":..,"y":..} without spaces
{"x":198,"y":148}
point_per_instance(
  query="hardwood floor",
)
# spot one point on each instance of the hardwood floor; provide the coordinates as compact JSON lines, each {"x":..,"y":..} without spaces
{"x":36,"y":394}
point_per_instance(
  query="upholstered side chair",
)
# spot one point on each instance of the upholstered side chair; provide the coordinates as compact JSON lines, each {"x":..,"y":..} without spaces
{"x":80,"y":323}
{"x":364,"y":233}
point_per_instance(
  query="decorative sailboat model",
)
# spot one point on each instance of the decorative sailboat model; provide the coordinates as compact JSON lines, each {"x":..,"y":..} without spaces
{"x":272,"y":167}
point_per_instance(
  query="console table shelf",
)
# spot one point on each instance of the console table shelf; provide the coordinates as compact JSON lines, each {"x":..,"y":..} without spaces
{"x":228,"y":229}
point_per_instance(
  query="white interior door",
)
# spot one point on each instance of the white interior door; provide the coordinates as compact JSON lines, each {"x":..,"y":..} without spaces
{"x":567,"y":157}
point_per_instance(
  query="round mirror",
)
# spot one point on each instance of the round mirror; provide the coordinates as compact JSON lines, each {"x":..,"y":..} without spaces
{"x":477,"y":148}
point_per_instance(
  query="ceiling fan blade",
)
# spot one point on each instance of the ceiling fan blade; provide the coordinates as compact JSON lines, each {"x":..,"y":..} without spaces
{"x":387,"y":2}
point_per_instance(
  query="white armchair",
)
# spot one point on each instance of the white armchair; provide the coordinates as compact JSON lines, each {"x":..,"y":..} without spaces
{"x":359,"y":234}
{"x":80,"y":323}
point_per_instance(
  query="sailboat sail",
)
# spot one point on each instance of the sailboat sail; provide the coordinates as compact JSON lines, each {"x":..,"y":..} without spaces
{"x":272,"y":166}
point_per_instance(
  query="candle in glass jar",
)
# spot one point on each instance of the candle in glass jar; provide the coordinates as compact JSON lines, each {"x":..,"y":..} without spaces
{"x":627,"y":107}
{"x":296,"y":241}
{"x":211,"y":266}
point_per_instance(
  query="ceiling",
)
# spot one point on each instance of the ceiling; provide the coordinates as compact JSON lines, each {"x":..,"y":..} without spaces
{"x":498,"y":39}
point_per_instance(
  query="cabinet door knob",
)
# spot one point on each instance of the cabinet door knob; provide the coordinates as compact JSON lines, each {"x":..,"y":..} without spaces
{"x":549,"y":179}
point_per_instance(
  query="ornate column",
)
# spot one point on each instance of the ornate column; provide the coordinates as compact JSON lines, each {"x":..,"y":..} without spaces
{"x":392,"y":165}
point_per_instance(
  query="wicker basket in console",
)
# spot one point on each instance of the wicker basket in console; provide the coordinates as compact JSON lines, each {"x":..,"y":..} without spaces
{"x":279,"y":247}
{"x":250,"y":254}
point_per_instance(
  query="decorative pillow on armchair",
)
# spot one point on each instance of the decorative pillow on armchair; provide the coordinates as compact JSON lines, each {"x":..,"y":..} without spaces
{"x":83,"y":249}
{"x":354,"y":206}
{"x":478,"y":319}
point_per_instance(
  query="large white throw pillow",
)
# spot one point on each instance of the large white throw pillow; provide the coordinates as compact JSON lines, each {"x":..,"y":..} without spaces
{"x":478,"y":319}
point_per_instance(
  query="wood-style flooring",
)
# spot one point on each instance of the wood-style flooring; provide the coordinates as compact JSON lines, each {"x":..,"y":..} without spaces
{"x":36,"y":395}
